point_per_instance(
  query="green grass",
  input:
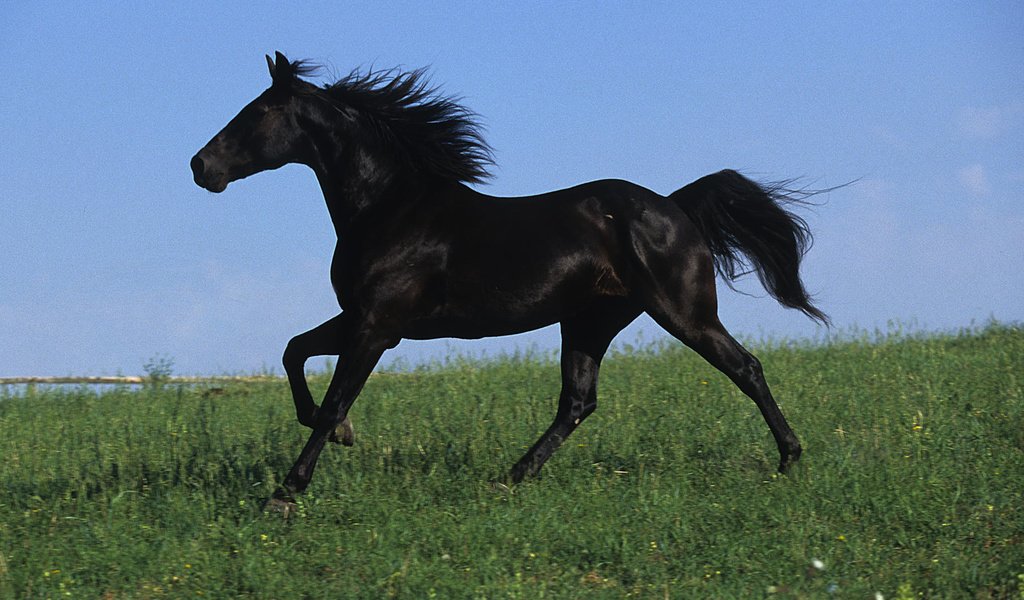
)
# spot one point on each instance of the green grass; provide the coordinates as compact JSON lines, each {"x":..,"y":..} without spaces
{"x":911,"y":483}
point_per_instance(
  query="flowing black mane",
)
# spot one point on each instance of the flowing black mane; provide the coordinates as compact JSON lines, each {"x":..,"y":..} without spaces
{"x":432,"y":133}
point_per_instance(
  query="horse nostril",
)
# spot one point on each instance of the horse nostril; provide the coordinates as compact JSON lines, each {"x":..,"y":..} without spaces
{"x":197,"y":167}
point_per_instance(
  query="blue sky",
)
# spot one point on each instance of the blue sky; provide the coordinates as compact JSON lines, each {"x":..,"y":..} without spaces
{"x":110,"y":255}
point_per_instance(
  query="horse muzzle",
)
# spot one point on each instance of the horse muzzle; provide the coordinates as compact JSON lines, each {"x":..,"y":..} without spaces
{"x":207,"y":177}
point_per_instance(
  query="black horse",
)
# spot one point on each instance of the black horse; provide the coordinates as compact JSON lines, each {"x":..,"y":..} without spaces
{"x":421,"y":255}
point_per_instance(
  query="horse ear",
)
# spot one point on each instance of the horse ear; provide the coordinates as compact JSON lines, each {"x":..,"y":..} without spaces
{"x":280,"y":69}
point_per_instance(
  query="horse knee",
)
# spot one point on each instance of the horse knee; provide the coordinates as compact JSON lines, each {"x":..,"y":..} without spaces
{"x":293,"y":358}
{"x":752,"y":367}
{"x":588,"y":408}
{"x":577,"y":409}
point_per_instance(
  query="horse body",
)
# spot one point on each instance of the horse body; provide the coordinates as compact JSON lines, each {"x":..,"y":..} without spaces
{"x":484,"y":266}
{"x":493,"y":268}
{"x":421,"y":255}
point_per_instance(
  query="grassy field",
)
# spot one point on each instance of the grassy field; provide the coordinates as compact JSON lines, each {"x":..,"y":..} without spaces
{"x":911,"y":483}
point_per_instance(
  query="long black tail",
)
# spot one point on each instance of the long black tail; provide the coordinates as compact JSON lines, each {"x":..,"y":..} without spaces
{"x":740,"y":218}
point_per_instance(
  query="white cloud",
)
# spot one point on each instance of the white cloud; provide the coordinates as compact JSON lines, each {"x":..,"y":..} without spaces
{"x":975,"y":179}
{"x":879,"y":258}
{"x":990,"y":122}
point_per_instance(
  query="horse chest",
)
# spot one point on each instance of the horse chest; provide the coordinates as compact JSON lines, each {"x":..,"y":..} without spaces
{"x":405,"y":278}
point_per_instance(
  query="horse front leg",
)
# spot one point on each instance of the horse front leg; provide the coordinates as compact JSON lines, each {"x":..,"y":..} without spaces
{"x":325,"y":339}
{"x":354,"y":367}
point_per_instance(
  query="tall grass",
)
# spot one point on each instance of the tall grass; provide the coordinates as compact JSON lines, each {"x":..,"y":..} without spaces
{"x":910,"y":484}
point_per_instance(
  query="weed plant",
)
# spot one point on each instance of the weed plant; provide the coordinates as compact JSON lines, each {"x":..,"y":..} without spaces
{"x":910,"y":485}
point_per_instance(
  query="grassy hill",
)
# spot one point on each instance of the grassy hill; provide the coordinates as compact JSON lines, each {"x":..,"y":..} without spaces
{"x":911,"y":483}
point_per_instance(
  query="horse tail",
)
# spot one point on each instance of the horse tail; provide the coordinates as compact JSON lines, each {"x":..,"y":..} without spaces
{"x":741,"y":219}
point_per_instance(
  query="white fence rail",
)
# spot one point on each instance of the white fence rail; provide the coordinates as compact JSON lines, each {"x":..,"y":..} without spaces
{"x":129,"y":380}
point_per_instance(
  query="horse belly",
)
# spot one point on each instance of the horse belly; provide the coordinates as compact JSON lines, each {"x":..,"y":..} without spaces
{"x":527,"y":266}
{"x":522,"y":296}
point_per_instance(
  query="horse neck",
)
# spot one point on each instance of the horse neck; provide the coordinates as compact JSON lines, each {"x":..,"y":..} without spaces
{"x":360,"y":181}
{"x":358,"y":203}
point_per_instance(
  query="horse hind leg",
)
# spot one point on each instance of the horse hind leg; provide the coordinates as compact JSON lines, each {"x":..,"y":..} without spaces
{"x":576,"y":401}
{"x":585,"y":339}
{"x":689,"y":312}
{"x":744,"y":369}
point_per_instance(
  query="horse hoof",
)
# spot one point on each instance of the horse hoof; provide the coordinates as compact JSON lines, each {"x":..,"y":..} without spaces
{"x":280,"y":504}
{"x":343,"y":434}
{"x":789,"y":460}
{"x":502,"y":487}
